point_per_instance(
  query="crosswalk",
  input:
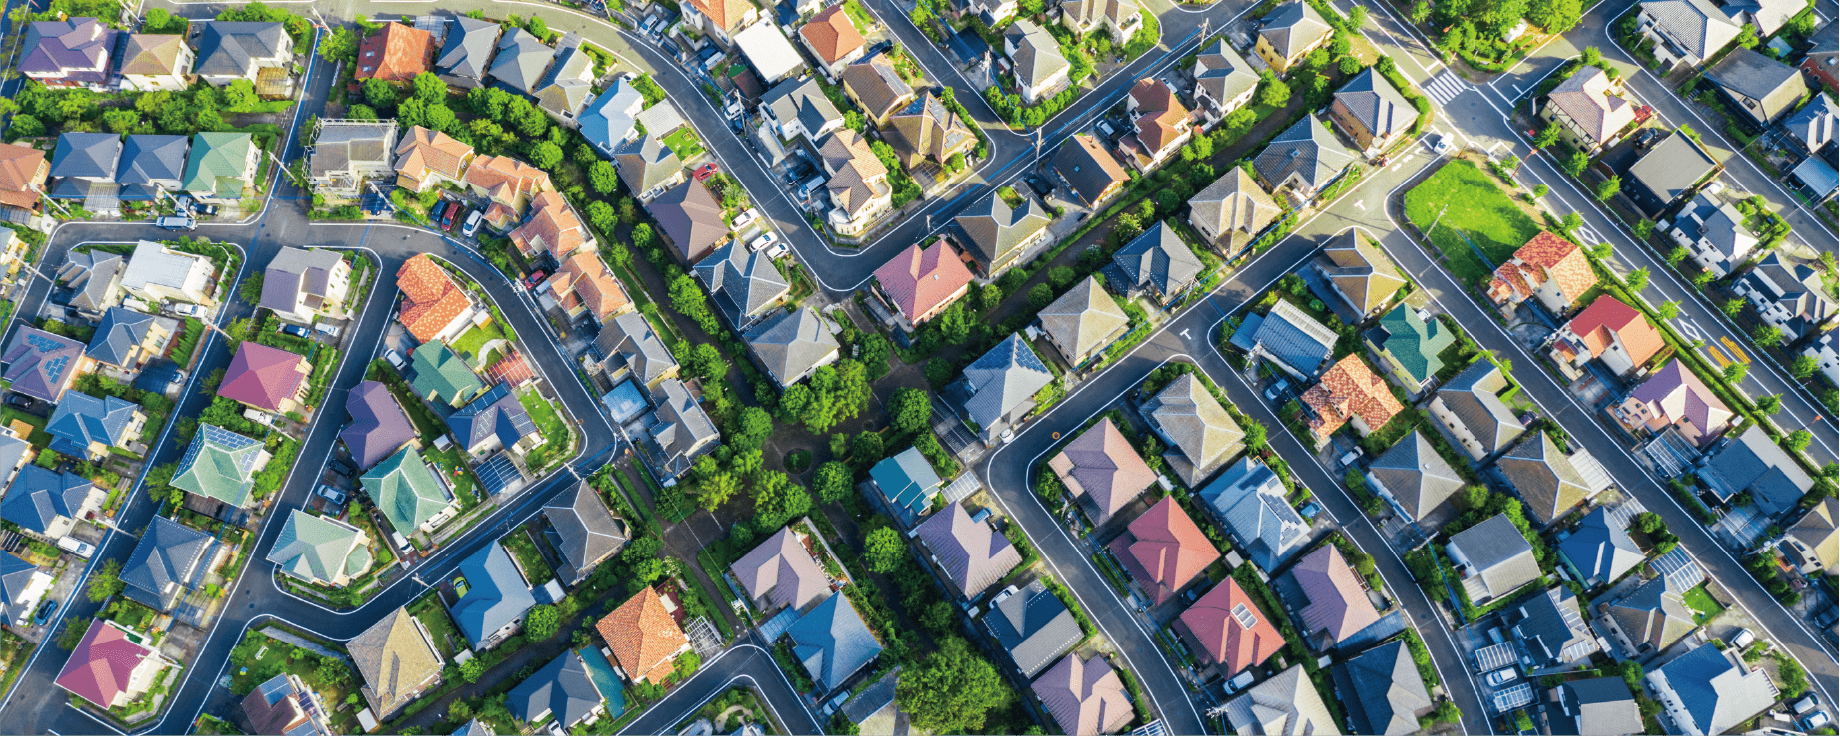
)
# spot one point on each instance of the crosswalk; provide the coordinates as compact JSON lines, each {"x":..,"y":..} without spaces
{"x":1446,"y":87}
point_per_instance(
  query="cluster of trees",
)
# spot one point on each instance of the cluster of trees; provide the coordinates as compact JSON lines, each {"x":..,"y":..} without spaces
{"x":1650,"y":523}
{"x":833,"y":394}
{"x":1013,"y":111}
{"x":1478,"y":26}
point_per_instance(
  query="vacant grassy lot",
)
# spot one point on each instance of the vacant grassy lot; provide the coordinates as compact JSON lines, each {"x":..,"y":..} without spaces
{"x":1479,"y":209}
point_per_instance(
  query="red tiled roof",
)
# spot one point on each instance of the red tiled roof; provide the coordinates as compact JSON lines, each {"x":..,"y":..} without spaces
{"x":1161,"y":113}
{"x":1338,"y":603}
{"x":1349,"y":389}
{"x":395,"y":54}
{"x":1164,"y":550}
{"x":1609,"y":318}
{"x":431,"y":299}
{"x":643,"y":636}
{"x":922,"y":281}
{"x":831,"y":34}
{"x":591,"y":284}
{"x":99,"y":668}
{"x":1217,"y":622}
{"x":19,"y":169}
{"x":552,"y":226}
{"x":1546,"y":256}
{"x":263,"y":377}
{"x":511,"y":369}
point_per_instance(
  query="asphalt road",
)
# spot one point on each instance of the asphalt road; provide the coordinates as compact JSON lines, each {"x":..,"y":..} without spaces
{"x":742,"y":664}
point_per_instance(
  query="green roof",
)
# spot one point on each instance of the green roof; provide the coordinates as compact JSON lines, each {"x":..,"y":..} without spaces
{"x":220,"y":464}
{"x":406,"y":491}
{"x":317,"y":548}
{"x":216,"y":163}
{"x":441,"y":375}
{"x":1414,"y":344}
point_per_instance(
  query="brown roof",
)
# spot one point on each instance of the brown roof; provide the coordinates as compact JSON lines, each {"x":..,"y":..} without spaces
{"x":1587,"y":97}
{"x":594,"y":285}
{"x":1546,"y":256}
{"x":877,"y":85}
{"x":643,"y":637}
{"x":1161,"y":111}
{"x":431,"y":299}
{"x":1085,"y":696}
{"x":552,"y":227}
{"x":1164,"y":550}
{"x":831,"y":34}
{"x":511,"y":369}
{"x":860,"y":179}
{"x":395,"y":54}
{"x":152,"y":54}
{"x":1349,"y":389}
{"x":1102,"y":464}
{"x":782,"y":571}
{"x":280,"y":716}
{"x":1338,"y":602}
{"x":920,"y":280}
{"x":22,"y":173}
{"x":423,"y":152}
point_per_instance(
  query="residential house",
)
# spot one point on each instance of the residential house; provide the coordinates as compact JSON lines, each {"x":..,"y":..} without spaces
{"x":1349,"y":393}
{"x":609,"y":121}
{"x":509,"y":184}
{"x":494,"y":421}
{"x":1156,"y":265}
{"x":1285,"y":704}
{"x":520,"y":62}
{"x":1763,"y":89}
{"x":1289,"y":34}
{"x":832,"y":642}
{"x":1162,"y":551}
{"x":434,"y":307}
{"x":1084,"y":696}
{"x":1411,"y":349}
{"x":260,"y":52}
{"x":1224,"y":82}
{"x":831,"y":37}
{"x":170,"y":561}
{"x":15,"y":453}
{"x":1202,"y":436}
{"x":876,"y":710}
{"x":41,"y":365}
{"x":321,"y":549}
{"x":412,"y":496}
{"x":1083,"y":322}
{"x":468,"y":46}
{"x":1414,"y":478}
{"x":564,"y":89}
{"x":163,"y":274}
{"x":877,"y":87}
{"x":1287,"y":336}
{"x":152,"y":166}
{"x":927,"y":130}
{"x":1041,"y":71}
{"x":564,"y":693}
{"x":397,"y":659}
{"x":970,"y":553}
{"x":427,"y":158}
{"x":998,"y":389}
{"x":304,"y":285}
{"x":1610,"y":331}
{"x":1250,"y":500}
{"x":628,"y":342}
{"x":1382,"y":690}
{"x":583,"y":531}
{"x":583,"y":289}
{"x":395,"y":53}
{"x":1034,"y":626}
{"x":1120,"y":18}
{"x":1789,"y":297}
{"x":266,"y":378}
{"x":677,"y":432}
{"x":1661,"y":178}
{"x":285,"y":705}
{"x":1552,"y":482}
{"x":47,"y":503}
{"x":791,"y":345}
{"x":1370,"y":110}
{"x":1232,"y":211}
{"x":722,"y":19}
{"x":1226,"y":629}
{"x":1767,"y":16}
{"x":221,"y":167}
{"x":1102,"y":471}
{"x":773,"y":57}
{"x":799,"y":108}
{"x":1359,"y":272}
{"x":1753,"y":463}
{"x":437,"y":374}
{"x":1159,"y":122}
{"x":220,"y":464}
{"x":112,"y":665}
{"x":1709,"y":690}
{"x":1492,"y":559}
{"x":858,"y":187}
{"x":1685,"y":31}
{"x":1594,"y":705}
{"x":1305,"y":158}
{"x":907,"y":483}
{"x":67,"y":52}
{"x":992,"y":12}
{"x":127,"y":339}
{"x":23,"y":172}
{"x":781,"y":573}
{"x":1092,"y":173}
{"x":86,"y":427}
{"x":1001,"y":236}
{"x":1599,"y":549}
{"x":920,"y":283}
{"x":84,"y":163}
{"x":1815,"y":125}
{"x":1589,"y":109}
{"x":1823,"y":58}
{"x":552,"y":228}
{"x":1812,"y":542}
{"x":1547,"y":268}
{"x":1652,"y":616}
{"x":648,"y":166}
{"x":691,"y":220}
{"x":1674,"y":397}
{"x":1329,"y":597}
{"x":94,"y":278}
{"x":1825,"y":351}
{"x":1551,"y":628}
{"x":497,"y":596}
{"x":644,"y":636}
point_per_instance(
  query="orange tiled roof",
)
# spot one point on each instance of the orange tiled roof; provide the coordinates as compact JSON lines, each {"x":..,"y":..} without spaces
{"x":511,"y":369}
{"x":19,"y":169}
{"x":552,"y":226}
{"x":593,"y":285}
{"x":396,"y":53}
{"x":506,"y":179}
{"x":431,"y":299}
{"x":726,"y":14}
{"x":423,"y":152}
{"x":643,"y":636}
{"x":1350,"y":389}
{"x":1161,"y":113}
{"x":831,"y":34}
{"x":1546,"y":256}
{"x":1609,"y":318}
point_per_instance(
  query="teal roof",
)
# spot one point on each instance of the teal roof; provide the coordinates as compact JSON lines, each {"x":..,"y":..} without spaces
{"x":908,"y":482}
{"x":1411,"y":341}
{"x":440,"y":375}
{"x":601,"y":672}
{"x":406,"y":491}
{"x":318,"y":548}
{"x":220,"y":464}
{"x":216,"y":163}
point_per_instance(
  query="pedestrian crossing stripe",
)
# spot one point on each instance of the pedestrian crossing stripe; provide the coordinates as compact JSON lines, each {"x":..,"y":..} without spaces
{"x":1446,"y":87}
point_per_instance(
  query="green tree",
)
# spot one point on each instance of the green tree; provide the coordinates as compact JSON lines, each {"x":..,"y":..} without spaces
{"x":1357,"y":17}
{"x":1798,"y":440}
{"x":1768,"y":336}
{"x":439,"y":117}
{"x":1548,"y":136}
{"x":1644,"y":229}
{"x":472,"y":669}
{"x":1803,"y":367}
{"x":716,"y":490}
{"x":1555,"y":16}
{"x":105,"y":582}
{"x":884,"y":550}
{"x":240,"y":96}
{"x":1676,"y":255}
{"x":866,"y":448}
{"x":1609,"y":188}
{"x":1733,"y":306}
{"x":1577,"y":163}
{"x":1632,"y":674}
{"x":72,"y":634}
{"x":1769,"y":405}
{"x":603,"y":177}
{"x":429,"y":88}
{"x":953,"y":690}
{"x":1734,"y":372}
{"x":1637,"y":280}
{"x":381,"y":94}
{"x":332,"y":673}
{"x":1668,"y":311}
{"x":1040,"y":295}
{"x":1747,"y":36}
{"x":780,"y":501}
{"x":1255,"y":437}
{"x":832,"y":481}
{"x":546,"y":155}
{"x":1273,"y":92}
{"x":600,"y":215}
{"x":910,"y":410}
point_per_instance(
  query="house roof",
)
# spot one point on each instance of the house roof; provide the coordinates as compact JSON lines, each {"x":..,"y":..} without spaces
{"x":1545,"y":256}
{"x":800,"y":101}
{"x":1551,"y":627}
{"x":1500,"y":559}
{"x":920,"y":280}
{"x":1222,"y":73}
{"x":1285,"y":703}
{"x":1350,"y":389}
{"x":1816,"y":529}
{"x":147,"y":160}
{"x":561,"y":688}
{"x":507,"y":180}
{"x":1596,"y":705}
{"x":833,"y":642}
{"x":1250,"y":501}
{"x":468,"y":45}
{"x":995,"y":229}
{"x":1158,"y":258}
{"x":858,"y":177}
{"x":607,"y":120}
{"x":39,"y":496}
{"x":19,"y":167}
{"x":1767,"y":15}
{"x":1087,"y":12}
{"x":1306,"y":150}
{"x":294,"y":272}
{"x":1034,"y":626}
{"x":1234,"y":205}
{"x":156,"y":264}
{"x":497,"y":412}
{"x":830,"y":34}
{"x":1608,"y":319}
{"x":274,"y":707}
{"x":1474,"y":398}
{"x":1586,"y":98}
{"x":218,"y":164}
{"x":1361,"y":270}
{"x":1653,"y":613}
{"x":395,"y":658}
{"x":646,"y":163}
{"x":691,"y":217}
{"x":1376,"y":103}
{"x":1338,"y":603}
{"x":972,"y":554}
{"x":496,"y":593}
{"x":169,"y":560}
{"x":792,"y":343}
{"x":1233,"y":632}
{"x":553,"y":227}
{"x":1288,"y":335}
{"x":1201,"y":434}
{"x":1084,"y":319}
{"x":927,"y":128}
{"x":1294,"y":26}
{"x":120,"y":332}
{"x":1416,"y":475}
{"x":440,"y":373}
{"x":1678,"y":395}
{"x":320,"y":548}
{"x":909,"y":483}
{"x":1776,"y":87}
{"x":726,"y":14}
{"x":1697,"y":26}
{"x":644,"y":637}
{"x":1038,"y":54}
{"x":395,"y":53}
{"x":1413,"y":343}
{"x":1089,"y":169}
{"x":66,"y":48}
{"x":431,"y":299}
{"x":262,"y":376}
{"x":1672,"y":167}
{"x":682,"y":425}
{"x":232,"y":49}
{"x":1102,"y":464}
{"x":520,"y":61}
{"x":1817,"y":123}
{"x":40,"y":364}
{"x":378,"y":425}
{"x":564,"y":89}
{"x":1002,"y":379}
{"x":1160,"y":114}
{"x":1085,"y":696}
{"x":94,"y":276}
{"x":586,"y":529}
{"x":103,"y":663}
{"x":1164,"y":550}
{"x":405,"y":490}
{"x":876,"y":85}
{"x":631,"y":337}
{"x":1795,"y":288}
{"x":87,"y":155}
{"x":423,"y":151}
{"x":1388,"y":691}
{"x":1752,"y":462}
{"x":219,"y":464}
{"x":81,"y":420}
{"x":1716,"y":689}
{"x":783,"y":572}
{"x":874,"y":709}
{"x":1600,"y":548}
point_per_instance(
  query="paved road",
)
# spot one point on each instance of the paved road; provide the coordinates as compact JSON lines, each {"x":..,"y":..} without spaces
{"x":743,"y":664}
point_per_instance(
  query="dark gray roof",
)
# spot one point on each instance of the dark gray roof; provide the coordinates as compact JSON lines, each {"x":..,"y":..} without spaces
{"x":1597,"y":705}
{"x":496,"y":593}
{"x":15,"y":577}
{"x":1222,"y":73}
{"x":562,"y":688}
{"x":833,"y":642}
{"x":469,"y":45}
{"x":1307,"y":150}
{"x":743,"y":283}
{"x":1773,"y":86}
{"x":95,"y":276}
{"x":86,"y":156}
{"x":495,"y":412}
{"x":1551,"y":627}
{"x":1474,"y":396}
{"x":167,"y":563}
{"x":629,"y":338}
{"x":1416,"y":475}
{"x":1157,"y":259}
{"x":586,"y":530}
{"x":1034,"y":626}
{"x":1752,"y":462}
{"x":1288,"y":335}
{"x":1501,"y":559}
{"x":1293,"y":26}
{"x":520,"y":61}
{"x":1388,"y":691}
{"x":1087,"y":167}
{"x":682,"y":427}
{"x":1672,"y":167}
{"x":1716,"y":690}
{"x":1817,"y":123}
{"x":119,"y":333}
{"x":1003,"y":379}
{"x":1546,"y":478}
{"x":1697,"y":26}
{"x":995,"y":229}
{"x":800,"y":100}
{"x":230,"y":48}
{"x":151,"y":159}
{"x":38,"y":496}
{"x":1794,"y":287}
{"x":1377,"y":104}
{"x":792,"y":343}
{"x":1600,"y":548}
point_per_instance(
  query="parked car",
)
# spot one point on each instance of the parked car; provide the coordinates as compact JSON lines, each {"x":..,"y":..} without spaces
{"x":1742,"y":639}
{"x":1353,"y":455}
{"x":1805,"y":704}
{"x":19,"y":400}
{"x":50,"y":607}
{"x":705,"y":171}
{"x":176,"y":222}
{"x":1277,"y":389}
{"x":763,"y":241}
{"x":1815,"y":721}
{"x":472,"y":223}
{"x":1442,"y":146}
{"x":1040,"y":185}
{"x":779,"y":250}
{"x":534,"y":278}
{"x":296,"y":330}
{"x":332,"y":494}
{"x":190,"y":310}
{"x":747,"y":216}
{"x":330,"y":329}
{"x":1502,"y":676}
{"x":396,"y":359}
{"x":447,"y":216}
{"x":205,"y":209}
{"x":1239,"y":683}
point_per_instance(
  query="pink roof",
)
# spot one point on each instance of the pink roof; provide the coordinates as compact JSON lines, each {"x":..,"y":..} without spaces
{"x":1338,"y":603}
{"x":1102,"y":464}
{"x":1164,"y":550}
{"x":1679,"y":397}
{"x":263,"y":377}
{"x":1085,"y":696}
{"x":1218,"y":622}
{"x":921,"y":281}
{"x":102,"y":664}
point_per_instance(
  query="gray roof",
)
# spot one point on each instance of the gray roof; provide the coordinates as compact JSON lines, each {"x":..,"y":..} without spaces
{"x":167,"y":563}
{"x":1719,"y":229}
{"x":1288,"y":335}
{"x":690,"y":217}
{"x":1697,"y":26}
{"x":1157,"y":259}
{"x":1295,"y":25}
{"x":802,"y":101}
{"x":1597,"y":705}
{"x":792,"y":343}
{"x":15,"y":577}
{"x":1672,"y":167}
{"x":1084,"y":320}
{"x":1222,"y":73}
{"x":497,"y":593}
{"x":631,"y":338}
{"x":1767,"y":15}
{"x":1307,"y":150}
{"x":587,"y":532}
{"x":972,"y":554}
{"x":1500,"y":559}
{"x":562,"y":688}
{"x":1377,"y":104}
{"x":646,"y":163}
{"x":81,"y":419}
{"x":743,"y":283}
{"x":1474,"y":396}
{"x":1002,"y":380}
{"x":1817,"y":123}
{"x":1750,"y":76}
{"x":38,"y":496}
{"x":1034,"y":626}
{"x":295,"y":271}
{"x":469,"y":44}
{"x":1250,"y":501}
{"x":12,"y":452}
{"x":1752,"y":462}
{"x":495,"y":412}
{"x":86,"y":156}
{"x":995,"y":229}
{"x":1038,"y":54}
{"x":563,"y":91}
{"x":682,"y":428}
{"x":1552,"y":628}
{"x":833,"y":642}
{"x":520,"y":61}
{"x":1087,"y":167}
{"x":147,"y":160}
{"x":1600,"y":548}
{"x":1716,"y":689}
{"x":1545,"y":478}
{"x":1654,"y":612}
{"x":95,"y":276}
{"x":340,"y":145}
{"x":1796,"y":288}
{"x":1416,"y":475}
{"x":121,"y":330}
{"x":1233,"y":206}
{"x":1200,"y":432}
{"x":874,"y":709}
{"x":1388,"y":691}
{"x":229,"y":49}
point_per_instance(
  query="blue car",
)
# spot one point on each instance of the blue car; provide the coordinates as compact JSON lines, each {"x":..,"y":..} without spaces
{"x":44,"y":613}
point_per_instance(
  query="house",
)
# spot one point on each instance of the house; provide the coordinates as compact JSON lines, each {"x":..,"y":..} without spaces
{"x":1652,"y":616}
{"x":858,"y":185}
{"x":1156,"y":265}
{"x":1414,"y":478}
{"x":509,"y":184}
{"x":171,"y":560}
{"x":1492,"y":559}
{"x":830,"y":36}
{"x":285,"y":705}
{"x":561,"y":693}
{"x":1411,"y":349}
{"x":1547,"y":268}
{"x":221,"y":167}
{"x":1034,"y":626}
{"x":1083,"y":322}
{"x":1232,"y":211}
{"x":691,"y":220}
{"x":1815,"y":125}
{"x":648,"y":166}
{"x":1287,"y":336}
{"x":1329,"y":596}
{"x":799,"y":108}
{"x":907,"y":483}
{"x":1091,"y":172}
{"x":970,"y":553}
{"x":1709,"y":690}
{"x":152,"y":166}
{"x":468,"y":46}
{"x":1041,"y":71}
{"x":1589,"y":110}
{"x":348,"y":153}
{"x":992,"y":12}
{"x":494,"y":421}
{"x":86,"y":427}
{"x":1768,"y":16}
{"x":321,"y":549}
{"x":552,"y":228}
{"x":397,"y":659}
{"x":1120,"y":18}
{"x":1370,"y":110}
{"x":1306,"y":157}
{"x":584,"y":532}
{"x":1763,"y":89}
{"x":127,"y":339}
{"x":155,"y":62}
{"x":520,"y":62}
{"x":427,"y":158}
{"x":1595,"y":705}
{"x":722,"y":19}
{"x":48,"y":503}
{"x":1159,"y":122}
{"x":1685,"y":31}
{"x":1359,"y":272}
{"x":68,"y":52}
{"x":1823,"y":58}
{"x":781,"y":573}
{"x":1226,"y":629}
{"x":1349,"y":393}
{"x":1600,"y":549}
{"x":678,"y":431}
{"x":260,"y":52}
{"x":998,"y":389}
{"x":877,"y":87}
{"x":876,"y":710}
{"x":1223,"y":81}
{"x":1250,"y":502}
{"x":1289,"y":34}
{"x":497,"y":595}
{"x":439,"y":375}
{"x":926,"y":130}
{"x":163,"y":274}
{"x":1382,"y":690}
{"x":1552,"y":482}
{"x":434,"y":307}
{"x":1812,"y":542}
{"x":409,"y":494}
{"x":40,"y":364}
{"x":220,"y":464}
{"x":1285,"y":704}
{"x":82,"y":161}
{"x":1609,"y":331}
{"x":266,"y":378}
{"x":583,"y":289}
{"x":564,"y":89}
{"x":644,"y":636}
{"x":112,"y":665}
{"x":1661,"y":178}
{"x":791,"y":345}
{"x":395,"y":53}
{"x":1162,"y":551}
{"x":1550,"y":627}
{"x":609,"y":121}
{"x":1825,"y":352}
{"x":1674,"y":397}
{"x":832,"y":642}
{"x":15,"y":452}
{"x":1085,"y":696}
{"x":94,"y":278}
{"x":1753,"y":463}
{"x":628,"y":342}
{"x":1102,"y":471}
{"x":1202,"y":436}
{"x":1791,"y":298}
{"x":1001,"y":236}
{"x":304,"y":285}
{"x":23,"y":172}
{"x":920,"y":283}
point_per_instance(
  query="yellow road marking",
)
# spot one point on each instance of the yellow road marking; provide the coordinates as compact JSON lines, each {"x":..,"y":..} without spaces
{"x":1736,"y":351}
{"x":1713,"y":352}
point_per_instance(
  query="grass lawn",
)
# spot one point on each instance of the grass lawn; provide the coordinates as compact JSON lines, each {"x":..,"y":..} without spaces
{"x":685,"y":143}
{"x":440,"y":626}
{"x":469,"y":343}
{"x":1476,"y":207}
{"x":519,"y":545}
{"x":38,"y":437}
{"x":1702,"y":603}
{"x":555,"y":434}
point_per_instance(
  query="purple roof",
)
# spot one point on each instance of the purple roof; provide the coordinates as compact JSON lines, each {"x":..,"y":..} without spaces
{"x":40,"y":364}
{"x":75,"y":48}
{"x":378,"y":425}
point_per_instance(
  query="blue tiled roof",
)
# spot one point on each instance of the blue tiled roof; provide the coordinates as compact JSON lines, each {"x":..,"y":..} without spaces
{"x":496,"y":593}
{"x":833,"y":642}
{"x":38,"y":495}
{"x":81,"y":419}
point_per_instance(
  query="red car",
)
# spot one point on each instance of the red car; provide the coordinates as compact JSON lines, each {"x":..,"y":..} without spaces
{"x":705,"y":171}
{"x":447,"y":218}
{"x":535,"y":277}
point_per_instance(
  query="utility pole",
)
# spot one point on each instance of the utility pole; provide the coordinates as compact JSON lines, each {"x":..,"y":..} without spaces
{"x":1434,"y":222}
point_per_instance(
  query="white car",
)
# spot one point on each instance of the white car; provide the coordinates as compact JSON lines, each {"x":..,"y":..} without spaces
{"x":1504,"y":675}
{"x":747,"y":216}
{"x":190,"y":310}
{"x":1443,"y":144}
{"x":779,"y":250}
{"x":763,"y":241}
{"x":395,"y":359}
